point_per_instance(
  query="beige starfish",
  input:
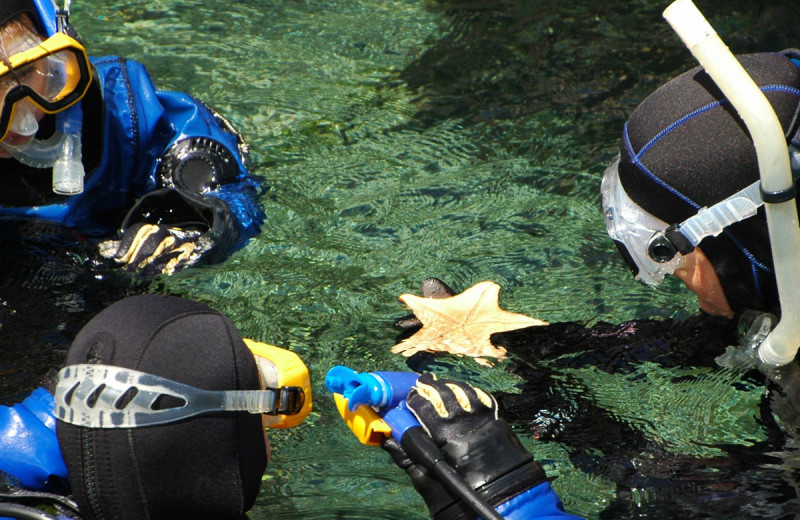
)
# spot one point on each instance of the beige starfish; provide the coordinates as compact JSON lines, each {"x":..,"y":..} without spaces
{"x":462,"y":324}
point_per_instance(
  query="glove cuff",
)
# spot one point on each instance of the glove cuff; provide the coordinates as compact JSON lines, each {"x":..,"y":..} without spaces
{"x":174,"y":207}
{"x":493,"y":462}
{"x":498,"y":492}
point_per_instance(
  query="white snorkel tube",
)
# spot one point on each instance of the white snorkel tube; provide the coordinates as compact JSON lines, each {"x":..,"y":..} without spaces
{"x":781,"y":345}
{"x":68,"y":172}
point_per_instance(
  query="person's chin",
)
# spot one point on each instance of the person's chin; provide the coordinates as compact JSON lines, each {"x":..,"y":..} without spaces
{"x":715,"y":308}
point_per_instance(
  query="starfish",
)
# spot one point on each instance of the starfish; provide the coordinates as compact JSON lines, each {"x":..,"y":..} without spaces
{"x":462,"y":324}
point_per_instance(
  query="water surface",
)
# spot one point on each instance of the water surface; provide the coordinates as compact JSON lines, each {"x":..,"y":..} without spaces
{"x":464,"y":140}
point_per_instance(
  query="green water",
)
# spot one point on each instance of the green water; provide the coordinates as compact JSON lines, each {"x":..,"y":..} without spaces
{"x":408,"y":139}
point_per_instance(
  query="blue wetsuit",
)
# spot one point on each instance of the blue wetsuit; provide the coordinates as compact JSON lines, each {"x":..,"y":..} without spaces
{"x":540,"y":503}
{"x":150,"y":156}
{"x":29,"y":452}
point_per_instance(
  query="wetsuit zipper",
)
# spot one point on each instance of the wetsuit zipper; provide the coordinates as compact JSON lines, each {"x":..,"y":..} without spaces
{"x":90,"y":486}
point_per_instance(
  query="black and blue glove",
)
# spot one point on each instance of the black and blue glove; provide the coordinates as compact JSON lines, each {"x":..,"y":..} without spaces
{"x":464,"y":424}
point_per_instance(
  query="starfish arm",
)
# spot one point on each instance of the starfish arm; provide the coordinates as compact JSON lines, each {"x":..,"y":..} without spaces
{"x":486,"y":296}
{"x":406,"y":348}
{"x":504,"y":322}
{"x":434,"y":308}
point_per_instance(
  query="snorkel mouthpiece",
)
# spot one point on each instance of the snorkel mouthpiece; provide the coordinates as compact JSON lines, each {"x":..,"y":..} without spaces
{"x":780,"y":347}
{"x":68,"y":172}
{"x":61,"y":151}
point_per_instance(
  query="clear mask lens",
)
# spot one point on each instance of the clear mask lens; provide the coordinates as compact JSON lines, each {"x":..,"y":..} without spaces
{"x":632,"y":229}
{"x":52,"y":74}
{"x":47,"y":78}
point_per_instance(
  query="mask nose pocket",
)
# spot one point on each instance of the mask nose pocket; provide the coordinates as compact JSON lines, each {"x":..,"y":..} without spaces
{"x":24,"y":121}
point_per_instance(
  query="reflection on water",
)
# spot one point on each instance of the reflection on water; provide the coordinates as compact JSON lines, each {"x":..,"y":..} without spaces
{"x":404,"y":139}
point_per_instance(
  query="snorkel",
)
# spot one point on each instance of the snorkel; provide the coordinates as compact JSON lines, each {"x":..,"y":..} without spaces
{"x":777,"y":185}
{"x":61,"y":151}
{"x":68,"y":171}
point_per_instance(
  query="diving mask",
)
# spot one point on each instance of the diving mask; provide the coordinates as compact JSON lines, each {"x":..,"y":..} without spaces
{"x":650,"y":247}
{"x":52,"y":74}
{"x":631,"y":228}
{"x":281,"y":368}
{"x":107,"y":396}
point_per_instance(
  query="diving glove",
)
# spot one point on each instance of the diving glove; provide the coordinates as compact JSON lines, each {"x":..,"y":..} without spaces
{"x":171,"y":229}
{"x":148,"y":246}
{"x":463,"y":422}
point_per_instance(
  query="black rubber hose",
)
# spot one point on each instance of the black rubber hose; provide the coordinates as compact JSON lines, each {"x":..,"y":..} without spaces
{"x":422,"y":450}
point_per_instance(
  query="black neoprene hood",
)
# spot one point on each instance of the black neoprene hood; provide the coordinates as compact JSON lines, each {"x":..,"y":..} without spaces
{"x":208,"y":466}
{"x":684,"y":148}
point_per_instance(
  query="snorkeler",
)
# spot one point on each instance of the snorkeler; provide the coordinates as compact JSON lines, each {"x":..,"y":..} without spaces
{"x":91,"y":145}
{"x":705,"y":188}
{"x":683,"y":149}
{"x":156,"y":393}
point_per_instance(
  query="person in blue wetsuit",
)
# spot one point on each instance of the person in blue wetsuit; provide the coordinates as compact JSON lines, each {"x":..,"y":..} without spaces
{"x":90,"y":144}
{"x":82,"y":434}
{"x":118,"y":430}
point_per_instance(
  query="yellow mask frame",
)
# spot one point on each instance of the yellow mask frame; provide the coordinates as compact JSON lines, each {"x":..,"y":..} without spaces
{"x":78,"y":78}
{"x":280,"y":368}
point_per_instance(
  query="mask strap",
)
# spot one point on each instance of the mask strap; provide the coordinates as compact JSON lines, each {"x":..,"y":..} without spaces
{"x":62,"y":21}
{"x":684,"y":237}
{"x":106,"y":396}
